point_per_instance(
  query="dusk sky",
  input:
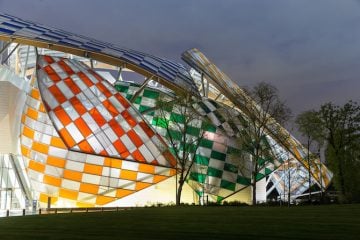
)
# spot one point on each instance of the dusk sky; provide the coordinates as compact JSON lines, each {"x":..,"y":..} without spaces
{"x":309,"y":49}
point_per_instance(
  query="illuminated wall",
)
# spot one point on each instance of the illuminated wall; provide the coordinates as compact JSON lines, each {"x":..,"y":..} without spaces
{"x":60,"y":166}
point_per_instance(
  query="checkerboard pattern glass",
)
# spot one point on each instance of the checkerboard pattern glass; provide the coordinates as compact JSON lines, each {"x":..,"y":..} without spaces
{"x":92,"y":117}
{"x":216,"y":170}
{"x":170,"y":71}
{"x":232,"y":91}
{"x":77,"y":178}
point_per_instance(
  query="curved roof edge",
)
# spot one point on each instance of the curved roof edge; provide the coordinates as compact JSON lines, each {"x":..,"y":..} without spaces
{"x":197,"y":60}
{"x":169,"y":73}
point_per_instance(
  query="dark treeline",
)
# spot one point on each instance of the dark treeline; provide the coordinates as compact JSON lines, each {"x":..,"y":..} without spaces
{"x":336,"y":130}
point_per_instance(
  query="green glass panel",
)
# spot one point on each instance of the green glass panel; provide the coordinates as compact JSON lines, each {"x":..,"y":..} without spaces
{"x":214,"y":172}
{"x":230,"y":168}
{"x":267,"y":171}
{"x":175,"y":135}
{"x":122,"y":88}
{"x":160,"y":122}
{"x":177,"y":118}
{"x":128,"y":96}
{"x":199,"y":177}
{"x":231,"y":150}
{"x":137,"y":100}
{"x":259,"y":176}
{"x":206,"y":143}
{"x":201,"y":160}
{"x":227,"y":185}
{"x":208,"y":127}
{"x":151,"y":94}
{"x":219,"y":199}
{"x":218,"y":155}
{"x":243,"y":180}
{"x":144,"y":108}
{"x":193,"y":131}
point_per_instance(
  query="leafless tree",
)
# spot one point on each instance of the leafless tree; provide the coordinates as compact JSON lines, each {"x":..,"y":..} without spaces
{"x":184,"y":127}
{"x":265,"y":112}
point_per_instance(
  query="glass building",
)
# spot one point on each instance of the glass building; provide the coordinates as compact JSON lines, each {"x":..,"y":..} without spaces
{"x":79,"y":127}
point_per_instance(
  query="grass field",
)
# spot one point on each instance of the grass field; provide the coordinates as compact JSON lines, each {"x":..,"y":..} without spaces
{"x":305,"y":222}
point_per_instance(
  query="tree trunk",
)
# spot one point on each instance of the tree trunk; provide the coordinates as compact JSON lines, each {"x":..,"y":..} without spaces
{"x":254,"y":185}
{"x":255,"y":172}
{"x":254,"y":192}
{"x":179,"y":190}
{"x":289,"y":185}
{"x":309,"y":167}
{"x":341,"y":176}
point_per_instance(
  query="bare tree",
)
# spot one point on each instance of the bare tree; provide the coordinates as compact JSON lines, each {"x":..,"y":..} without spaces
{"x":310,"y":126}
{"x":184,"y":131}
{"x":264,"y":109}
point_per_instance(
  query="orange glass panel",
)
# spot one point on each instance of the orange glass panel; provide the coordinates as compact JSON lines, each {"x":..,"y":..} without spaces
{"x":66,"y":67}
{"x":111,"y":162}
{"x":56,"y":92}
{"x":113,"y":111}
{"x":149,"y":132}
{"x":85,"y":147}
{"x":35,"y":94}
{"x":129,"y":175}
{"x":123,"y":193}
{"x":97,"y":116}
{"x":146,"y":168}
{"x":89,"y":188}
{"x":49,"y":59}
{"x":135,"y":138}
{"x":93,"y":169}
{"x":40,"y":147}
{"x":67,"y":137}
{"x":44,"y":198}
{"x":102,"y":200}
{"x":23,"y":118}
{"x":52,"y":74}
{"x":103,"y":89}
{"x":159,"y":178}
{"x":141,"y":185}
{"x":42,"y":108}
{"x":130,"y":120}
{"x":28,"y":132}
{"x":138,"y":156}
{"x":72,"y":175}
{"x":53,"y":181}
{"x":122,"y":100}
{"x":36,"y":166}
{"x":83,"y":127}
{"x":72,"y":86}
{"x":171,"y":159}
{"x":57,"y":142}
{"x":56,"y":162}
{"x":32,"y":113}
{"x":116,"y":127}
{"x":79,"y":107}
{"x":84,"y":205}
{"x":85,"y":79}
{"x":25,"y":151}
{"x":107,"y":162}
{"x":68,"y":194}
{"x":62,"y":115}
{"x":121,"y":148}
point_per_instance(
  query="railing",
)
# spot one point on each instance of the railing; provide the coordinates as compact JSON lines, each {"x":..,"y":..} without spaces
{"x":40,"y":211}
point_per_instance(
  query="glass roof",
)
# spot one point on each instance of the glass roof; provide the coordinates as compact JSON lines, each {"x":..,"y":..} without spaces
{"x":168,"y":70}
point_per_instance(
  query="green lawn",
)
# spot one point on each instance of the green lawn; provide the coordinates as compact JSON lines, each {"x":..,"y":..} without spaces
{"x":306,"y":222}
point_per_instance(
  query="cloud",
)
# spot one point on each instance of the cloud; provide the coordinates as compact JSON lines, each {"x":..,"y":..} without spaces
{"x":309,"y":49}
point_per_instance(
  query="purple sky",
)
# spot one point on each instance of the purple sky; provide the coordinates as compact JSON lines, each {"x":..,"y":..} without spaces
{"x":310,"y":50}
